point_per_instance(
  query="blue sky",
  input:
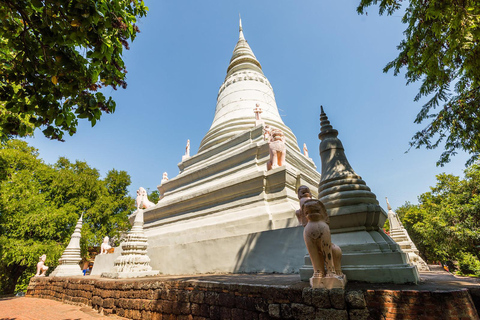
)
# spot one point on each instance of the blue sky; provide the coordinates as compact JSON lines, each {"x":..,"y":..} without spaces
{"x":313,"y":53}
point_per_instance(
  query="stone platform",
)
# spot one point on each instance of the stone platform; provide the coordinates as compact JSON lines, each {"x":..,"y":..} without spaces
{"x":264,"y":296}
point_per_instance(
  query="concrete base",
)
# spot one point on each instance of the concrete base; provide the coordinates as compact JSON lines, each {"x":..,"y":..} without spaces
{"x":128,"y":275}
{"x":104,"y":262}
{"x":67,"y":270}
{"x":377,"y":260}
{"x":328,"y":283}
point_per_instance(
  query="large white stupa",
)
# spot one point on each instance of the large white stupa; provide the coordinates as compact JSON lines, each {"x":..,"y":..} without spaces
{"x":225,"y":212}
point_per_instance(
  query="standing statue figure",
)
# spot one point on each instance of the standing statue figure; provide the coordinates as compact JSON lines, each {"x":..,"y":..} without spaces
{"x":187,"y":151}
{"x":319,"y":245}
{"x":164,"y":178}
{"x":187,"y":148}
{"x":105,"y":245}
{"x":41,"y":267}
{"x":305,"y":150}
{"x":278,"y":149}
{"x":142,"y":199}
{"x":258,"y":119}
{"x":305,"y":194}
{"x":266,"y":132}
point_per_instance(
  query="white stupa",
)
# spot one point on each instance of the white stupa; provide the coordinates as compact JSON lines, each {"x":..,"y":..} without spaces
{"x":134,"y":261}
{"x":69,"y":263}
{"x":225,"y":212}
{"x":400,"y":235}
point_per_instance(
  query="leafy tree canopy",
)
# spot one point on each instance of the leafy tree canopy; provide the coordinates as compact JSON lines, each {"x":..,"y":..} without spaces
{"x":40,"y":205}
{"x":445,"y":225}
{"x":55,"y":56}
{"x":442,"y":50}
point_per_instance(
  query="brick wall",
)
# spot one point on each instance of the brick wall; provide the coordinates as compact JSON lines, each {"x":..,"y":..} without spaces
{"x":152,"y":299}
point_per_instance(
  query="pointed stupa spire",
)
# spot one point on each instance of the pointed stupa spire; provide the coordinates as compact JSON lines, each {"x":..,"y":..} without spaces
{"x":244,"y":86}
{"x":340,"y":186}
{"x":332,"y":153}
{"x":240,"y":29}
{"x":389,"y":207}
{"x":242,"y":56}
{"x":70,"y":259}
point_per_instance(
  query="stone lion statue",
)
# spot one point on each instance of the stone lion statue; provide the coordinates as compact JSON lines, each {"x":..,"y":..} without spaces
{"x":142,"y":199}
{"x":278,"y":150}
{"x":318,"y":219}
{"x":105,"y":245}
{"x":41,"y":267}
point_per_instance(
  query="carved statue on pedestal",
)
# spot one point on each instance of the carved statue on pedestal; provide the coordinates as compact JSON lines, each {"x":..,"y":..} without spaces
{"x":305,"y":194}
{"x":164,"y":178}
{"x":305,"y":150}
{"x":142,"y":199}
{"x":278,"y":149}
{"x":320,"y":248}
{"x":105,"y":246}
{"x":41,"y":267}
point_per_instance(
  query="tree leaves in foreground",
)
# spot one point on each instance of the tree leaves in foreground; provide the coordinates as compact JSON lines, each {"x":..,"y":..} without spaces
{"x":442,"y":50}
{"x":40,"y":205}
{"x":445,"y":225}
{"x":55,"y":56}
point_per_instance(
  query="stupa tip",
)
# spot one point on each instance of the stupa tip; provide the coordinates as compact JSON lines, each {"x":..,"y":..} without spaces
{"x":325,"y":126}
{"x":389,"y":207}
{"x":240,"y":29}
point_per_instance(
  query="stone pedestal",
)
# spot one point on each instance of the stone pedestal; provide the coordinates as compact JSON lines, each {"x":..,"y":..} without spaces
{"x":331,"y":282}
{"x":69,"y":263}
{"x":133,"y":261}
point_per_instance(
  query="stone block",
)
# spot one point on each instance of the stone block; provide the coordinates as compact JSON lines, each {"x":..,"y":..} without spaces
{"x":294,"y":295}
{"x":331,"y":314}
{"x":226,"y":300}
{"x":215,"y":313}
{"x":359,"y":314}
{"x":307,"y":295}
{"x":261,"y":305}
{"x":197,"y":296}
{"x":201,"y":310}
{"x":337,"y":298}
{"x":286,"y":311}
{"x":238,"y":314}
{"x":211,"y":298}
{"x":303,"y":312}
{"x":250,"y":315}
{"x":225,"y":313}
{"x":274,"y":310}
{"x":320,"y":298}
{"x":355,"y":299}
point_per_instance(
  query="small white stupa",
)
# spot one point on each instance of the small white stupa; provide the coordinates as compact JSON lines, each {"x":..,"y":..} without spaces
{"x":134,"y":261}
{"x":70,"y":259}
{"x":400,"y":235}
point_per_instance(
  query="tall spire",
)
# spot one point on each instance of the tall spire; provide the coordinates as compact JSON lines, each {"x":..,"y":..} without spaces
{"x":244,"y":86}
{"x":240,"y":29}
{"x":70,"y":259}
{"x":340,"y":186}
{"x":389,"y":207}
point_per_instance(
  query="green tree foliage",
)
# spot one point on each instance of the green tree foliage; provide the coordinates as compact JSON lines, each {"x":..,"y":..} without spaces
{"x":442,"y":50}
{"x":445,"y":225}
{"x":55,"y":56}
{"x":154,"y":196}
{"x":40,"y":205}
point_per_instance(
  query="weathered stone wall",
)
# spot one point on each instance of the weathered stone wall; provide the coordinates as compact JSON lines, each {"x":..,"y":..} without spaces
{"x":155,"y":299}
